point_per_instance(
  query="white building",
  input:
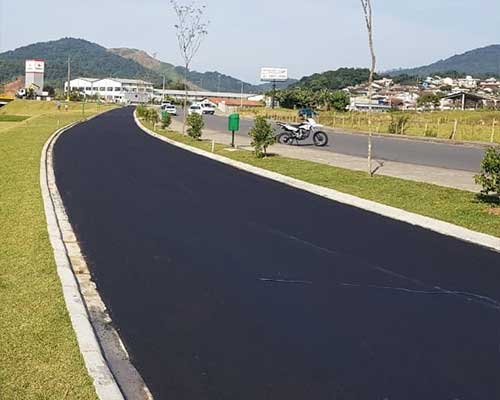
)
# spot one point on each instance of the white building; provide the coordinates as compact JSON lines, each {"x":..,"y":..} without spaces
{"x":35,"y":70}
{"x":112,"y":89}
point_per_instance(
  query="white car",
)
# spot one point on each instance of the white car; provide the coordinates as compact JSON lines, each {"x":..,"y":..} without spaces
{"x":195,"y":109}
{"x":207,"y":108}
{"x":169,"y":108}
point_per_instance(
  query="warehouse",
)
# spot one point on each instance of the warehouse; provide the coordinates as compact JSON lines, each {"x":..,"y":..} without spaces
{"x":112,"y":89}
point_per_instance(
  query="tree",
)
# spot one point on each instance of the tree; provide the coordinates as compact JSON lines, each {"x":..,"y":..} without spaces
{"x":191,"y":30}
{"x":429,"y":100}
{"x":196,"y":124}
{"x":263,"y":136}
{"x":368,"y":14}
{"x":489,"y":178}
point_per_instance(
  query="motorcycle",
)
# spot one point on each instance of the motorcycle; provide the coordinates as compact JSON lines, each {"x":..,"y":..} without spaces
{"x":302,"y":131}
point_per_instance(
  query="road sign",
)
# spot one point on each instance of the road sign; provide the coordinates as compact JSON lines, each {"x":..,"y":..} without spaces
{"x":274,"y":74}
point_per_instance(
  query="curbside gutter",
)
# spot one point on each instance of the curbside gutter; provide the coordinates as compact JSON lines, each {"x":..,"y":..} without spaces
{"x":432,"y":224}
{"x":106,"y":359}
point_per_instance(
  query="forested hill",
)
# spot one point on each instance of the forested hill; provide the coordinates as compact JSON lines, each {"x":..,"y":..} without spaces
{"x":479,"y":62}
{"x":87,"y":59}
{"x":335,"y":80}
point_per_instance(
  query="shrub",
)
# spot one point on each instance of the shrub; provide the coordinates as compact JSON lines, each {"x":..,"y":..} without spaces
{"x":399,"y":124}
{"x":489,"y":178}
{"x":152,"y":115}
{"x":263,"y":136}
{"x":195,"y":125}
{"x":141,"y":111}
{"x":166,"y":120}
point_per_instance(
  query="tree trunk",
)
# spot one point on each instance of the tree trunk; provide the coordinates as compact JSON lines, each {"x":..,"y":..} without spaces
{"x":185,"y":111}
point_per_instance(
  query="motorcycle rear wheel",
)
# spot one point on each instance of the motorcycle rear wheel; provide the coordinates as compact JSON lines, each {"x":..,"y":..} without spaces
{"x":320,"y":139}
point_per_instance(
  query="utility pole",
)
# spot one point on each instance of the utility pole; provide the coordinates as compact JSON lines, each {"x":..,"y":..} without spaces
{"x":218,"y":84}
{"x":241,"y":104}
{"x":69,"y":78}
{"x":163,"y":93}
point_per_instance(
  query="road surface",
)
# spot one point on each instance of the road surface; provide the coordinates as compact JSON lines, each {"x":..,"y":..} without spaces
{"x":458,"y":157}
{"x":225,"y":285}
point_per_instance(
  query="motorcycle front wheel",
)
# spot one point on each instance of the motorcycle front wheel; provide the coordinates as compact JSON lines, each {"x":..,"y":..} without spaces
{"x":320,"y":139}
{"x":284,"y":138}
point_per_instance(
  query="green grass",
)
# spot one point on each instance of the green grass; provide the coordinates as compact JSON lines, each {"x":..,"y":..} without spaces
{"x":13,"y":118}
{"x":471,"y":125}
{"x":455,"y":206}
{"x":39,"y":355}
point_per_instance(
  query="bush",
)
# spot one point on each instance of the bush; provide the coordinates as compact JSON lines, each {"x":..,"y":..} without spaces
{"x":152,"y":115}
{"x":489,"y":178}
{"x":195,"y":125}
{"x":166,"y":120}
{"x":399,"y":124}
{"x":141,"y":111}
{"x":263,"y":136}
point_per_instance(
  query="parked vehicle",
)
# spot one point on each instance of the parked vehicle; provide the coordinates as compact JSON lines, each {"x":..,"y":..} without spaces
{"x":307,"y":112}
{"x":170,"y":108}
{"x":195,"y":109}
{"x":207,"y":108}
{"x":302,"y":131}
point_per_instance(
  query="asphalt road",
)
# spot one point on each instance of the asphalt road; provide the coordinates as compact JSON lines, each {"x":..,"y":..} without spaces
{"x":459,"y":157}
{"x":225,"y":285}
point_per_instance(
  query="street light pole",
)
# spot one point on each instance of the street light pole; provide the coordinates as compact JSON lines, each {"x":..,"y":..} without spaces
{"x":241,"y":103}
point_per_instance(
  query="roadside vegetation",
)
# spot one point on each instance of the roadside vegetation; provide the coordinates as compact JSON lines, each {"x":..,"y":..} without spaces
{"x":477,"y":212}
{"x":480,"y":126}
{"x":39,"y":354}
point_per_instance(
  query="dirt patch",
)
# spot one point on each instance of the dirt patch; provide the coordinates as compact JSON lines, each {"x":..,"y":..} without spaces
{"x":494,"y":211}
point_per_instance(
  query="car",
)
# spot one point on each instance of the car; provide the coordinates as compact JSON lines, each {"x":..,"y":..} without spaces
{"x":207,"y":108}
{"x":169,"y":108}
{"x":195,"y":109}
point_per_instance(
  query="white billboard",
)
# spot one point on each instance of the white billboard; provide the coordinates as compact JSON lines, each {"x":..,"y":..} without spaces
{"x":35,"y":66}
{"x":274,"y":74}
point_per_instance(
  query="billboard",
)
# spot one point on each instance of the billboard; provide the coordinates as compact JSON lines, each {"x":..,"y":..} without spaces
{"x":274,"y":74}
{"x":35,"y":66}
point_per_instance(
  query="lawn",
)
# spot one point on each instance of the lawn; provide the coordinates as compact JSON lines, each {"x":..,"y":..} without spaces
{"x":480,"y":126}
{"x":39,"y":354}
{"x":12,"y":118}
{"x":455,"y":206}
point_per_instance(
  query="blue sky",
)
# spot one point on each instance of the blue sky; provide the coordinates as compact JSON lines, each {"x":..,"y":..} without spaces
{"x":306,"y":36}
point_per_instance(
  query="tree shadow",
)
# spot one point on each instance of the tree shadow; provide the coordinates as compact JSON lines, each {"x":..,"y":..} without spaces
{"x":492,"y":200}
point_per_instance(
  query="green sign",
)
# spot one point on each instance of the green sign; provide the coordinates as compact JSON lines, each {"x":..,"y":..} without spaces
{"x":234,"y":122}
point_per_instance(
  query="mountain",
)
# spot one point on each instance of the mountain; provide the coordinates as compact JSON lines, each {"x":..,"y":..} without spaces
{"x":212,"y":81}
{"x":334,"y":80}
{"x":479,"y":62}
{"x":87,"y":59}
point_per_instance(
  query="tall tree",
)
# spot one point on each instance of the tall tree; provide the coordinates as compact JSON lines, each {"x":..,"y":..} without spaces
{"x":368,"y":14}
{"x":191,"y":30}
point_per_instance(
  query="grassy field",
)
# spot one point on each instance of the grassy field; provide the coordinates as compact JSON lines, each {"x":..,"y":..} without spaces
{"x":39,"y":355}
{"x":481,"y":126}
{"x":455,"y":206}
{"x":12,"y":118}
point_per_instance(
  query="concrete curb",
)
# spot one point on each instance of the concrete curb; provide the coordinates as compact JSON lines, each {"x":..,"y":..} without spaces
{"x":104,"y":354}
{"x":441,"y":227}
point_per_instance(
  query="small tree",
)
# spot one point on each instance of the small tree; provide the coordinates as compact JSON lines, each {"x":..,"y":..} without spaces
{"x":166,"y":120}
{"x":195,"y":125}
{"x":263,"y":136}
{"x":152,"y":115}
{"x":191,"y":29}
{"x":489,"y":178}
{"x":368,"y":14}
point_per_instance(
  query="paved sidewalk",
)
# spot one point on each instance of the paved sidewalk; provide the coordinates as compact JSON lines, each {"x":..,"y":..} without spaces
{"x":456,"y":179}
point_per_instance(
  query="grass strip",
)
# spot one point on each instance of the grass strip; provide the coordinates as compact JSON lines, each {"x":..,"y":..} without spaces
{"x":39,"y":354}
{"x":458,"y":207}
{"x":13,"y":118}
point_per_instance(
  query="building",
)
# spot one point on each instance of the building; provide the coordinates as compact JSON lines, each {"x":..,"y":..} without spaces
{"x":198,"y":95}
{"x":113,"y":89}
{"x":35,"y":70}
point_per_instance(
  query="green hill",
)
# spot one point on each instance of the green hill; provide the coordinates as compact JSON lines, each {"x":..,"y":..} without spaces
{"x":334,"y":80}
{"x":87,"y":59}
{"x":479,"y":62}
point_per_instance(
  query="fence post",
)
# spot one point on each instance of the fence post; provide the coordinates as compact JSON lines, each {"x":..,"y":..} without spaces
{"x":455,"y":127}
{"x":426,"y":128}
{"x":492,"y":139}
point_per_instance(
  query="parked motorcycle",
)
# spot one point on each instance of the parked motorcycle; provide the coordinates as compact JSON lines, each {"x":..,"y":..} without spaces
{"x":302,"y":131}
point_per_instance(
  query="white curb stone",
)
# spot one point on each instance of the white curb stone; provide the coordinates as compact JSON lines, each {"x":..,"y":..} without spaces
{"x":105,"y":356}
{"x":432,"y":224}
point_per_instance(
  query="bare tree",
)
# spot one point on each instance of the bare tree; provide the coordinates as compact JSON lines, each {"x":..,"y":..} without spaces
{"x":368,"y":14}
{"x":191,"y":30}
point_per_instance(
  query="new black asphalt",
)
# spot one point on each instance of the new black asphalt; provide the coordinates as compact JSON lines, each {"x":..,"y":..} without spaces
{"x":225,"y":285}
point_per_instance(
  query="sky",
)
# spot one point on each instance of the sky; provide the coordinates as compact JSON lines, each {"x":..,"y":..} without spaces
{"x":305,"y":36}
